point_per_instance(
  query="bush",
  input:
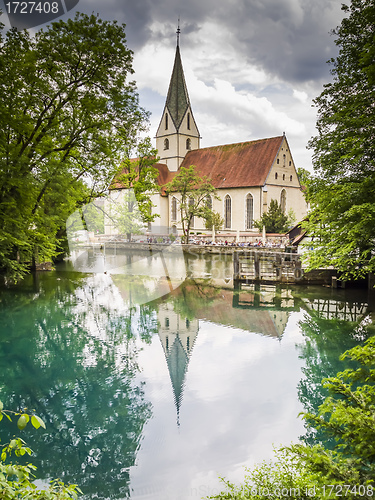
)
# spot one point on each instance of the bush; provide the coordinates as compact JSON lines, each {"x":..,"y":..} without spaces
{"x":16,"y":481}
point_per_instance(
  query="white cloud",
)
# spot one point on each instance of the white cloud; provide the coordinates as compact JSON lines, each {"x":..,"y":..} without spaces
{"x":234,"y":98}
{"x":300,"y":95}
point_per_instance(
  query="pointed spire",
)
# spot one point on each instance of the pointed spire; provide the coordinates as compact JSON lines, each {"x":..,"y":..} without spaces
{"x":178,"y":33}
{"x":177,"y":98}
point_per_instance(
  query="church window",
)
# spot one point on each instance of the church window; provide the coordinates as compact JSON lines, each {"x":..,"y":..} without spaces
{"x":174,"y":209}
{"x":166,"y":121}
{"x":290,"y":163}
{"x":249,"y":211}
{"x":276,"y":175}
{"x":191,"y":206}
{"x":228,"y":212}
{"x":277,"y":161}
{"x":166,"y":143}
{"x":283,"y":177}
{"x":188,"y":122}
{"x":283,"y":200}
{"x":188,"y":143}
{"x":291,"y":178}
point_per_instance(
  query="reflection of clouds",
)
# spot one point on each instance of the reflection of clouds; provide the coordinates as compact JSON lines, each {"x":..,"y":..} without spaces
{"x":239,"y":400}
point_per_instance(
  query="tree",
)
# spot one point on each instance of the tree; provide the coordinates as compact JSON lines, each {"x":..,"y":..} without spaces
{"x":342,"y":220}
{"x":67,"y":113}
{"x":214,"y":221}
{"x":305,"y":178}
{"x":127,"y":216}
{"x":274,"y":220}
{"x":347,"y":415}
{"x":16,"y":481}
{"x":138,"y":176}
{"x":193,"y":192}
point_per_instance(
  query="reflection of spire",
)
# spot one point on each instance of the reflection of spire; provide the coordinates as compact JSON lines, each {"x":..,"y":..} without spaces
{"x":177,"y":361}
{"x":177,"y":335}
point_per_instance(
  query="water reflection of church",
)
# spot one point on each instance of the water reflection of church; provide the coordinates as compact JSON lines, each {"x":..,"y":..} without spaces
{"x":177,"y":335}
{"x":260,"y":309}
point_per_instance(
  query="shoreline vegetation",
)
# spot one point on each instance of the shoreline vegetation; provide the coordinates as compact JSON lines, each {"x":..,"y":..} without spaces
{"x":347,"y":469}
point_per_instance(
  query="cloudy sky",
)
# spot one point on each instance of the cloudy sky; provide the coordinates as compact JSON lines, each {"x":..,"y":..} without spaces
{"x":252,"y":66}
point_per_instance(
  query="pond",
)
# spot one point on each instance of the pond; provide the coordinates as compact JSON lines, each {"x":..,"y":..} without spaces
{"x":153,"y":386}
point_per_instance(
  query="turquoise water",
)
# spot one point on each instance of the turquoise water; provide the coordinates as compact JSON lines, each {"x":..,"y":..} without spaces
{"x":154,"y":399}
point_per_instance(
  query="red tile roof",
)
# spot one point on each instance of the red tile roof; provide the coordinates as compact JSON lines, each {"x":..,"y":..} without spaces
{"x":163,"y":178}
{"x":165,"y":175}
{"x":245,"y":164}
{"x":236,"y":165}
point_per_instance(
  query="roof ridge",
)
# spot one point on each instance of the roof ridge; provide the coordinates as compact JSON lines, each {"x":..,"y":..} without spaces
{"x":240,"y":143}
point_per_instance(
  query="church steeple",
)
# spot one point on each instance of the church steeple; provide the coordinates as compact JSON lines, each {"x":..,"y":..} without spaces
{"x":177,"y":132}
{"x":177,"y":97}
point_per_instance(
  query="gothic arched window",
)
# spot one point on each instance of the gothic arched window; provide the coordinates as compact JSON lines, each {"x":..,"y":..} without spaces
{"x":209,"y":202}
{"x":249,"y":211}
{"x":191,"y":208}
{"x":283,"y":200}
{"x":188,"y":143}
{"x":166,"y":143}
{"x":227,"y":212}
{"x":174,"y":209}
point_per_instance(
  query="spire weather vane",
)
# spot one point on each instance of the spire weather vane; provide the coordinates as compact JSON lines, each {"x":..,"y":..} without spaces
{"x":178,"y":33}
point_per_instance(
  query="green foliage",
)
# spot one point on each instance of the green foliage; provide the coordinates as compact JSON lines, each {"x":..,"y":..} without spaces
{"x":287,"y":477}
{"x":192,"y":192}
{"x":67,"y":112}
{"x":138,"y":181}
{"x":324,"y":337}
{"x":348,"y":416}
{"x":274,"y":220}
{"x":342,"y":221}
{"x":140,"y":175}
{"x":127,"y":216}
{"x":305,"y":178}
{"x":16,"y":481}
{"x":214,"y":220}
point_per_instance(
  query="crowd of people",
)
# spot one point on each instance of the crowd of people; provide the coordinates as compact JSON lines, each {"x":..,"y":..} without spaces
{"x":241,"y":244}
{"x":196,"y":240}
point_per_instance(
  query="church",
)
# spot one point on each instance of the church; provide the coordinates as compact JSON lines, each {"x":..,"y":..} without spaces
{"x":246,"y":176}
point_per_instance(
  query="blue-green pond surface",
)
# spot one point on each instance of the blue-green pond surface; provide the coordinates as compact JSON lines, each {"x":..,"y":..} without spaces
{"x":152,"y":388}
